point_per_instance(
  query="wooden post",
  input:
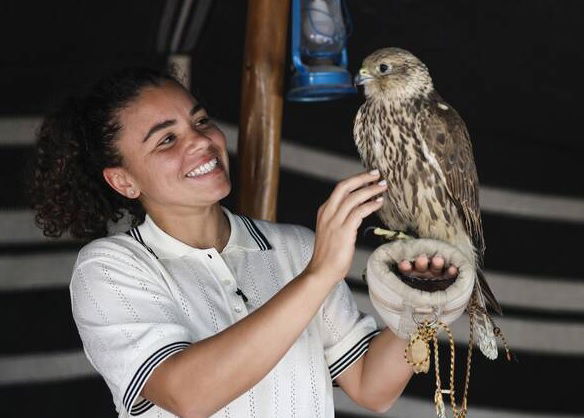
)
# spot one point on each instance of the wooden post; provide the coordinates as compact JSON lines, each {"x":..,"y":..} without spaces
{"x":261,"y":107}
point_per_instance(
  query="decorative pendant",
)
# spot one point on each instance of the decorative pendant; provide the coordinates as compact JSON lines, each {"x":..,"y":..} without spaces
{"x":418,"y":354}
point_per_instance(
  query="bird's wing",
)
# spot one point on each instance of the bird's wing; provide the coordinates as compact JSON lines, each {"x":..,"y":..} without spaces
{"x":448,"y":140}
{"x":363,"y":136}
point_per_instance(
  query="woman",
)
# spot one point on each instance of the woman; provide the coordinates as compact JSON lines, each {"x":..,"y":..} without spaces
{"x":197,"y":311}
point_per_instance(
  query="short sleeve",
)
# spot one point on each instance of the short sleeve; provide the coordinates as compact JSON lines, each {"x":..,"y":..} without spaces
{"x":126,"y":317}
{"x":346,"y":332}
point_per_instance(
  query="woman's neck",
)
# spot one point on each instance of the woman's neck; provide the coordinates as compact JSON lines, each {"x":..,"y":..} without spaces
{"x":206,"y":227}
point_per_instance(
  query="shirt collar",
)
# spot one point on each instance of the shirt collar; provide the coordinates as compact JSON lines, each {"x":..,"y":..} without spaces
{"x":245,"y":234}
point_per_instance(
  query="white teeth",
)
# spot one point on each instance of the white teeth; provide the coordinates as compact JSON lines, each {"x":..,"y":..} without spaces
{"x":203,"y":168}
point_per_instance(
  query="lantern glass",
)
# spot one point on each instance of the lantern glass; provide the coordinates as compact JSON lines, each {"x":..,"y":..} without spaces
{"x":319,"y":53}
{"x":323,"y":30}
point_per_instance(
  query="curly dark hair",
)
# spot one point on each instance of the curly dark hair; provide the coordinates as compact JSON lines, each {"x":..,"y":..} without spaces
{"x":75,"y":144}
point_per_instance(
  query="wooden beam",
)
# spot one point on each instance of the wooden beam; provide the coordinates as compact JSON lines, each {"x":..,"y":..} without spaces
{"x":261,"y":107}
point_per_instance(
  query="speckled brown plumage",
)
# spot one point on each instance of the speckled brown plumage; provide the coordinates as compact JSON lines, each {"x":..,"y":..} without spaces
{"x":422,"y":148}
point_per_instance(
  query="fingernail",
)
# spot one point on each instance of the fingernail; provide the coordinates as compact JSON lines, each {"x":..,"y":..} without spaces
{"x":379,"y":199}
{"x":382,"y":183}
{"x":374,"y":172}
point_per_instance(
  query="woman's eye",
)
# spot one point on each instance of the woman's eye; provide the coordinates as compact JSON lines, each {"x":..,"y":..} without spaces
{"x":168,"y":140}
{"x":202,"y":123}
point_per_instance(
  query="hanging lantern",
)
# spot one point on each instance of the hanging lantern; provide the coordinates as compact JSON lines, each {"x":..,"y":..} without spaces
{"x":319,"y":53}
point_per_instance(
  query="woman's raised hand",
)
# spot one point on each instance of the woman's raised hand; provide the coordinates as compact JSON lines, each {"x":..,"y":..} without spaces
{"x":338,"y":220}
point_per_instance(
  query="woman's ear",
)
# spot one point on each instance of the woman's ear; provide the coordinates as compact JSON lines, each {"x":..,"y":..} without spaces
{"x":121,"y":181}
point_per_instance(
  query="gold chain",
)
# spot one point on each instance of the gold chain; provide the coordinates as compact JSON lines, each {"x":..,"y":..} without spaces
{"x":428,"y":333}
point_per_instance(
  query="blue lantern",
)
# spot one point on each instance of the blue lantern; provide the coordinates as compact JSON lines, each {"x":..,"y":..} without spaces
{"x":319,"y":53}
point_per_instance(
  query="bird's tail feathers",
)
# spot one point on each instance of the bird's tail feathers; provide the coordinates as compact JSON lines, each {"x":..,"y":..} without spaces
{"x":486,"y":297}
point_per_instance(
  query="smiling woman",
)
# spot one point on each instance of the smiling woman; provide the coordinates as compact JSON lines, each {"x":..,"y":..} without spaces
{"x":174,"y":158}
{"x":75,"y":144}
{"x":197,"y":311}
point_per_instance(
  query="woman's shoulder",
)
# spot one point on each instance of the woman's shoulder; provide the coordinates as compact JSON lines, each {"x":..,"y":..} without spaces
{"x":116,"y":248}
{"x":285,"y":233}
{"x":113,"y":262}
{"x":284,"y":229}
{"x":269,"y":229}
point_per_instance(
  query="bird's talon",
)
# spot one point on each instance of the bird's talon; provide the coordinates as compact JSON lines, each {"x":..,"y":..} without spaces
{"x":390,"y":235}
{"x":369,"y":229}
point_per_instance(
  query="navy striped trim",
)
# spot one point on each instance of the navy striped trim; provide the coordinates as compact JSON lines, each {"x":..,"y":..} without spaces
{"x":135,"y":233}
{"x":141,"y":407}
{"x":256,"y":234}
{"x":352,"y":355}
{"x":142,"y":374}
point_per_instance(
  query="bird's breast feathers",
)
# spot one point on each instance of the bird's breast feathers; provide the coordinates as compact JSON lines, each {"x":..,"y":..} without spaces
{"x":417,"y":199}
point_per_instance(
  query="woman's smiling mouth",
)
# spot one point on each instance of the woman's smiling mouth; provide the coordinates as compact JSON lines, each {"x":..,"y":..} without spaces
{"x":203,"y":168}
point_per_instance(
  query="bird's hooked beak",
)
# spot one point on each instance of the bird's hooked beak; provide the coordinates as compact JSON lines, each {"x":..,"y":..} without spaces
{"x":363,"y":77}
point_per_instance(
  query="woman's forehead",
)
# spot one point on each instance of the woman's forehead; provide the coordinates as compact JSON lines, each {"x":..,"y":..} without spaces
{"x":154,"y":103}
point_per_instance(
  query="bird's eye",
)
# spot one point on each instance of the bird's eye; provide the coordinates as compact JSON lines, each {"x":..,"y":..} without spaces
{"x":383,"y":68}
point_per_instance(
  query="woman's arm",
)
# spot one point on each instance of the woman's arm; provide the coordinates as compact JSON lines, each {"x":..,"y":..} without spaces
{"x":210,"y":373}
{"x":378,"y":378}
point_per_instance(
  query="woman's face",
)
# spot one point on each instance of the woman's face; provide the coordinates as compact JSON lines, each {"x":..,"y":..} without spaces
{"x":174,"y":157}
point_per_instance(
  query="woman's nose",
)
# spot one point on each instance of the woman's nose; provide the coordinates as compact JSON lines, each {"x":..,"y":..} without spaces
{"x":197,"y":141}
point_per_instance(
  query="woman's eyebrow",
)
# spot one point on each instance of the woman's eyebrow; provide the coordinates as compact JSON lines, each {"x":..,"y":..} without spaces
{"x":168,"y":123}
{"x":196,"y":108}
{"x":158,"y":127}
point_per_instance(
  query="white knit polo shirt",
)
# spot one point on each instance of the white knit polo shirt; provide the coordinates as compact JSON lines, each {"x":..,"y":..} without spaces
{"x":140,"y":297}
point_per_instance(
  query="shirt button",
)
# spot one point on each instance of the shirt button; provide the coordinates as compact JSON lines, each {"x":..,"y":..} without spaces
{"x":237,"y":309}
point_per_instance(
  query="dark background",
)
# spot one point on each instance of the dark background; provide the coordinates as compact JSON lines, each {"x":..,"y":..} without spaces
{"x":512,"y":69}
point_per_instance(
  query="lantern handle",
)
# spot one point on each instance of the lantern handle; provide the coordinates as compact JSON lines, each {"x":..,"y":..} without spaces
{"x":348,"y":21}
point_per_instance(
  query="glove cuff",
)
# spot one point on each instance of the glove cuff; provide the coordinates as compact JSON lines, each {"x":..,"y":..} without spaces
{"x":400,"y":306}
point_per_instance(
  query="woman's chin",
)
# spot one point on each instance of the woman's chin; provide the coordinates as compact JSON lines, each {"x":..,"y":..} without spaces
{"x":217,"y":194}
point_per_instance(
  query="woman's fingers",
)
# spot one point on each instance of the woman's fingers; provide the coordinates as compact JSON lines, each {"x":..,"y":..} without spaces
{"x":360,"y":212}
{"x":451,"y":272}
{"x":421,"y":263}
{"x":429,"y":268}
{"x":437,"y":265}
{"x":343,"y":188}
{"x":405,"y":267}
{"x":358,"y":197}
{"x":336,"y":229}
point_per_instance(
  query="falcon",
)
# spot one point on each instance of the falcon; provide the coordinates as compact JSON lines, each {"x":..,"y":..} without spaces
{"x":421,"y":147}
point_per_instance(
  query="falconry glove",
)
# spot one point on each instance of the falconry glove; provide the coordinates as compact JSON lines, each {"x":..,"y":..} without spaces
{"x":402,"y":307}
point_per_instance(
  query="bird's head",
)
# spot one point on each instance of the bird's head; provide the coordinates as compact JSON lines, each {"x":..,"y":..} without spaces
{"x":394,"y":73}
